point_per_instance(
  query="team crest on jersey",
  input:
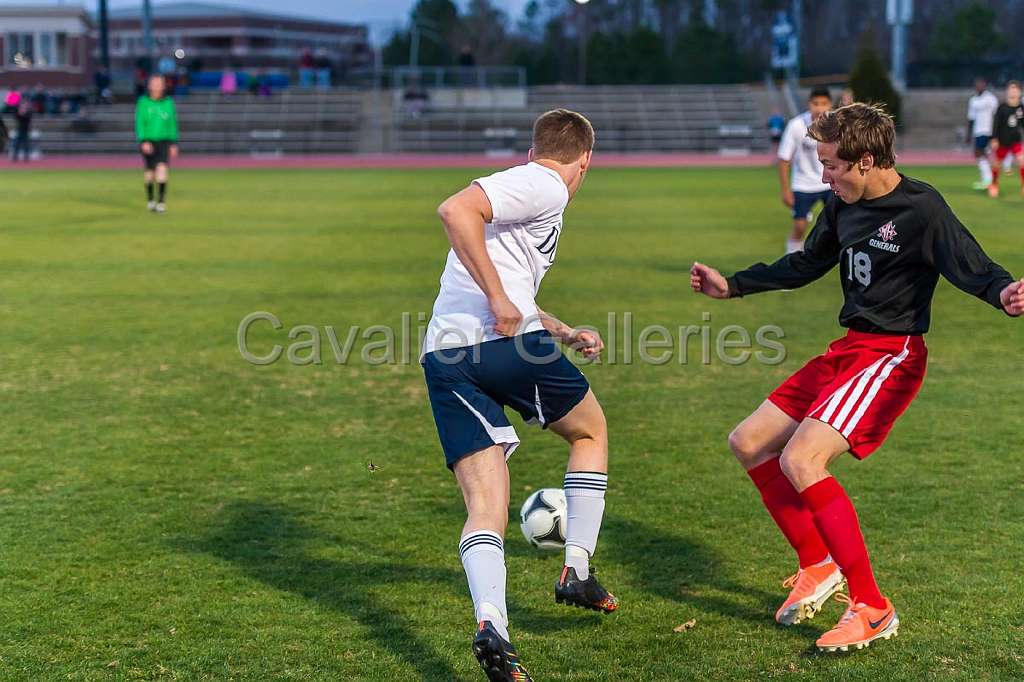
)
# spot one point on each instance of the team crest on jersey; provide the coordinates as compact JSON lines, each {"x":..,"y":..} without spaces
{"x":887,"y":233}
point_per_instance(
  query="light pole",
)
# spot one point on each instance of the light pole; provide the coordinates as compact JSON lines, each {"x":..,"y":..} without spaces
{"x":583,"y":40}
{"x":104,"y":36}
{"x":147,"y":30}
{"x":899,"y":13}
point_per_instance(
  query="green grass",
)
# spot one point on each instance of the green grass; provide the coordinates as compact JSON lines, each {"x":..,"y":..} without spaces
{"x":169,"y":511}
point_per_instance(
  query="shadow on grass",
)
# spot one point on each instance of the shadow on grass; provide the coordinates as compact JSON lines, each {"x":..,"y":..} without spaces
{"x":271,"y":544}
{"x":678,"y":569}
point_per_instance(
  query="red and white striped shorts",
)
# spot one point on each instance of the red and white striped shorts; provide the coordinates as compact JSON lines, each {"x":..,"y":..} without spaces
{"x":859,"y":387}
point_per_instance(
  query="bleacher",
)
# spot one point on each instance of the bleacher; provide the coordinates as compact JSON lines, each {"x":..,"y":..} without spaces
{"x":627,"y":119}
{"x":291,"y":121}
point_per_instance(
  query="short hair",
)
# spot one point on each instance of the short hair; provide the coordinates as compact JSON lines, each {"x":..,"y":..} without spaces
{"x":562,"y":135}
{"x":819,"y":92}
{"x":1013,"y":84}
{"x":858,"y":129}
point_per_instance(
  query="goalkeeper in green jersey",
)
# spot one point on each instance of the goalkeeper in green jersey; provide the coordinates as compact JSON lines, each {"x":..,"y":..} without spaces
{"x":156,"y":131}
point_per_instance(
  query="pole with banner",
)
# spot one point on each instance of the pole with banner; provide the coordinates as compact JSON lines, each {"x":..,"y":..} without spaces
{"x":899,"y":14}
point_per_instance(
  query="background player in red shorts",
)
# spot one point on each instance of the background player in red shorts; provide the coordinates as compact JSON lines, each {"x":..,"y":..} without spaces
{"x":892,"y":237}
{"x":1007,"y":133}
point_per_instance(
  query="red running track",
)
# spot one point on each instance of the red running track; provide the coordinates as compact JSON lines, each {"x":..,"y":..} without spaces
{"x":400,"y":161}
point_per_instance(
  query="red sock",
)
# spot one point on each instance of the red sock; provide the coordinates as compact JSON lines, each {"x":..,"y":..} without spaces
{"x":1022,"y":176}
{"x":995,"y":173}
{"x":836,"y":520}
{"x":790,"y":513}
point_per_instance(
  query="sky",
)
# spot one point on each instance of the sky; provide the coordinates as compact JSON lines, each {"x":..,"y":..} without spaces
{"x":382,"y":15}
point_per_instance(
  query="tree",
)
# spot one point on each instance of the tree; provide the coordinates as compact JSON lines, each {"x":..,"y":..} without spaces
{"x":438,"y":24}
{"x":870,"y":82}
{"x":968,"y":34}
{"x":703,"y":55}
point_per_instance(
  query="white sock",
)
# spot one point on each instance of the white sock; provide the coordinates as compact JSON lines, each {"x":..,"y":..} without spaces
{"x":985,"y":168}
{"x":1007,"y":164}
{"x":584,"y":498}
{"x":824,"y":561}
{"x":483,"y":558}
{"x":794,"y":245}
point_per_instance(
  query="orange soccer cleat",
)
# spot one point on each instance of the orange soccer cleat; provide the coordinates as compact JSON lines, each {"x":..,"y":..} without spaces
{"x":811,"y":588}
{"x":859,"y":626}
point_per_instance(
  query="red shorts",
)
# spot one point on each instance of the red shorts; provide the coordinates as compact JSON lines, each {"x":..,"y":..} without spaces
{"x":1015,"y":149}
{"x":859,"y":386}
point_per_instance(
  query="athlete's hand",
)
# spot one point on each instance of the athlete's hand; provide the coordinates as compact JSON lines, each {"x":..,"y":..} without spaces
{"x":507,"y":318}
{"x":706,"y":280}
{"x":587,"y":341}
{"x":1012,"y":298}
{"x":787,"y":198}
{"x":147,"y":148}
{"x":174,"y":151}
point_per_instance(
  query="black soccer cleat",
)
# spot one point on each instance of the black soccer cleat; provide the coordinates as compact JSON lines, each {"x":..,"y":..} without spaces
{"x":497,"y":657}
{"x":586,"y":594}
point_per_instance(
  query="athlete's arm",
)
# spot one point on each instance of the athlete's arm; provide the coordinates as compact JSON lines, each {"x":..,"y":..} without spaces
{"x":142,"y":129}
{"x":174,"y":130}
{"x":464,"y":216}
{"x":794,"y":270}
{"x":588,"y":341}
{"x":787,"y":192}
{"x":953,"y":251}
{"x":787,"y":150}
{"x":1012,"y":298}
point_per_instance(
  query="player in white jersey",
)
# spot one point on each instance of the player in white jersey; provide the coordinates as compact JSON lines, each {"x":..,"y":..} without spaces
{"x":981,"y":109}
{"x":489,"y":345}
{"x":799,"y":168}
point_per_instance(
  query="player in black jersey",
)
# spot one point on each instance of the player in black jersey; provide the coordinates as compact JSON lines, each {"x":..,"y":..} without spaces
{"x":1007,"y":136}
{"x":892,"y":236}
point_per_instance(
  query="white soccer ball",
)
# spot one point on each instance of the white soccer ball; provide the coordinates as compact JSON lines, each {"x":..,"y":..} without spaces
{"x":542,"y":519}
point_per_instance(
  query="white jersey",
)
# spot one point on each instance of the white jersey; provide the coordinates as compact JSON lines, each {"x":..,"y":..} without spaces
{"x":981,"y":110}
{"x":802,"y":152}
{"x":527,"y":204}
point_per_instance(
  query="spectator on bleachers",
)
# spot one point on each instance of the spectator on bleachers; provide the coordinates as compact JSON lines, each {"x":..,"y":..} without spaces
{"x":776,"y":124}
{"x":38,"y":99}
{"x":139,"y":81}
{"x":11,"y":101}
{"x":101,"y":82}
{"x":323,"y":70}
{"x":415,"y":99}
{"x":263,"y":88}
{"x":22,"y":143}
{"x":467,"y":61}
{"x":306,"y":69}
{"x":845,"y":97}
{"x":228,"y":82}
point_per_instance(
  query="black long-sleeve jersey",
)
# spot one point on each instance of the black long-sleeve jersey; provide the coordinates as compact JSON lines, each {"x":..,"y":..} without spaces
{"x":1008,"y":123}
{"x":891,"y":251}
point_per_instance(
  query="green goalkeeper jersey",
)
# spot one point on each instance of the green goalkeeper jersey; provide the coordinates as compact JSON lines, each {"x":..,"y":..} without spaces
{"x":156,"y":120}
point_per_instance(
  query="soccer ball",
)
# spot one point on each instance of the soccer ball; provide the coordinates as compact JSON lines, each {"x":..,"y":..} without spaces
{"x":542,"y":519}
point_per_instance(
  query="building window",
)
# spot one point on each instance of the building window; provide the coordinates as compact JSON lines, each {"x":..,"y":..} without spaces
{"x":21,"y":49}
{"x":37,"y":49}
{"x":62,"y":56}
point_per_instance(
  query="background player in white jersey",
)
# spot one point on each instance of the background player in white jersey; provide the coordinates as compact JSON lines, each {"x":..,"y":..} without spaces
{"x":489,"y":345}
{"x":799,"y":168}
{"x":981,"y":109}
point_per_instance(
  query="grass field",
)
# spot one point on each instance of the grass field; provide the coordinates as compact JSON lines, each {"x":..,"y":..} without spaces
{"x":170,"y":511}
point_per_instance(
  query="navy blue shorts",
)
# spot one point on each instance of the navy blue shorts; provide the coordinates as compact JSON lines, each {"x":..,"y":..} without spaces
{"x":803,"y":202}
{"x":469,"y":388}
{"x":981,"y":142}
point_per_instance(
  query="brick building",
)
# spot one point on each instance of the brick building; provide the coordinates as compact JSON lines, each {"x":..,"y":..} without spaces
{"x":48,"y":45}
